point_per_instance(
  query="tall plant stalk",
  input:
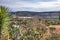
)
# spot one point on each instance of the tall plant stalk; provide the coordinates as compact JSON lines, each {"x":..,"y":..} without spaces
{"x":4,"y":23}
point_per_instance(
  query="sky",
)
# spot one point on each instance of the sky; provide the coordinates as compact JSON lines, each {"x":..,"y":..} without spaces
{"x":31,"y":5}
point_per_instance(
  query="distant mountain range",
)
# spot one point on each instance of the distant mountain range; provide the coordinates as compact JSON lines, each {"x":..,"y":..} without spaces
{"x":52,"y":14}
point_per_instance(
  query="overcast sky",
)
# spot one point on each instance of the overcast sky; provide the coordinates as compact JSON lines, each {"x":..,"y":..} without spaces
{"x":31,"y":5}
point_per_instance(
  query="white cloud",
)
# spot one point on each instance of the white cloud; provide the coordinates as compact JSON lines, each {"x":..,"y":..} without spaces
{"x":58,"y":0}
{"x":37,"y":6}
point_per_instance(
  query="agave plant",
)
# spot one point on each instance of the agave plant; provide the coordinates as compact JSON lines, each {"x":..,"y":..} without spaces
{"x":4,"y":22}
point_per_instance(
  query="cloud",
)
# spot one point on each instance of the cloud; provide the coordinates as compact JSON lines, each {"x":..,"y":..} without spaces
{"x":35,"y":5}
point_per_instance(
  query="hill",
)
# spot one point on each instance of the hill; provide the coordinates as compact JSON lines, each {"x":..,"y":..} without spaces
{"x":46,"y":15}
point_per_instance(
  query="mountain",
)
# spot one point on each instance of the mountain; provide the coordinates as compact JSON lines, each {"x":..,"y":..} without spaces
{"x":52,"y":14}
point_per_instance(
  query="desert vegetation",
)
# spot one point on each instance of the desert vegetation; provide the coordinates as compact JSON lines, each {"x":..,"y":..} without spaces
{"x":36,"y":29}
{"x":52,"y":22}
{"x":26,"y":28}
{"x":4,"y":23}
